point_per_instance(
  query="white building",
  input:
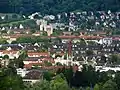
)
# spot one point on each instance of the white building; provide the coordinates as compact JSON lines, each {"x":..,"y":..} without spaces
{"x":32,"y":81}
{"x":43,"y":24}
{"x":45,"y":27}
{"x":105,"y":69}
{"x":106,"y":41}
{"x":48,"y":29}
{"x":21,"y":26}
{"x":63,"y":61}
{"x":22,"y":72}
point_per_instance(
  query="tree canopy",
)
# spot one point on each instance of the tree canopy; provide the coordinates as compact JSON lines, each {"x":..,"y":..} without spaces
{"x":57,"y":6}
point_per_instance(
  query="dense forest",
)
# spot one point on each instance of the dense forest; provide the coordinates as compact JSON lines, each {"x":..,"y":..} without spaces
{"x":57,"y":6}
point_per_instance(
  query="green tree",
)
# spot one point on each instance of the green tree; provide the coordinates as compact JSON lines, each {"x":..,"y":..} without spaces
{"x":24,"y":40}
{"x":12,"y":82}
{"x":110,"y":85}
{"x":32,"y":31}
{"x":58,"y":6}
{"x":19,"y":61}
{"x":88,"y":88}
{"x":59,"y":64}
{"x":6,"y":57}
{"x":4,"y":31}
{"x":11,"y":32}
{"x":58,"y":84}
{"x":56,"y":33}
{"x":68,"y":73}
{"x":3,"y":41}
{"x":117,"y":79}
{"x":82,"y":42}
{"x":48,"y":75}
{"x":41,"y":85}
{"x":44,"y":34}
{"x":89,"y":52}
{"x":96,"y":87}
{"x":15,"y":4}
{"x":9,"y":80}
{"x":114,"y":59}
{"x":46,"y":63}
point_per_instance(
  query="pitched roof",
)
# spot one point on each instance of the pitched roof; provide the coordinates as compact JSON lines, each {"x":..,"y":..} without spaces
{"x":38,"y":53}
{"x":33,"y":75}
{"x":8,"y":52}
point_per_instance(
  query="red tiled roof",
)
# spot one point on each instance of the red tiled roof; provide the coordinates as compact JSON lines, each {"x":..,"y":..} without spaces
{"x":19,"y":35}
{"x":8,"y":52}
{"x":74,"y":37}
{"x":33,"y":75}
{"x":75,"y":68}
{"x":28,"y":66}
{"x":38,"y":53}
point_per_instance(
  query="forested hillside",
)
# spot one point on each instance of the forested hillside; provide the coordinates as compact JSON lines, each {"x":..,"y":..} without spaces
{"x":57,"y":6}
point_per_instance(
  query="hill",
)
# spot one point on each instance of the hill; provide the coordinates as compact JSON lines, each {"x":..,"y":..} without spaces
{"x":57,"y":6}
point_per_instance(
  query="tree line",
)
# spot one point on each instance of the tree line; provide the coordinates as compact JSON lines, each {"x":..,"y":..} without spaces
{"x":63,"y":79}
{"x":57,"y":6}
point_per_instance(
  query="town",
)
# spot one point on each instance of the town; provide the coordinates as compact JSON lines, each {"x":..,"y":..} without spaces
{"x":37,"y":45}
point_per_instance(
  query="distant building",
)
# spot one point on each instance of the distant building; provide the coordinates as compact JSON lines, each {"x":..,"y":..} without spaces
{"x":118,"y":15}
{"x":43,"y":24}
{"x":106,"y":41}
{"x":11,"y":53}
{"x":45,"y":27}
{"x":33,"y":76}
{"x":21,"y":26}
{"x":105,"y":69}
{"x":38,"y":54}
{"x":48,"y":29}
{"x":22,"y":72}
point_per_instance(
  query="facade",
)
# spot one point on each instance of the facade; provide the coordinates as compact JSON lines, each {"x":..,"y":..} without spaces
{"x":11,"y":53}
{"x":22,"y":72}
{"x":106,"y":41}
{"x":48,"y":29}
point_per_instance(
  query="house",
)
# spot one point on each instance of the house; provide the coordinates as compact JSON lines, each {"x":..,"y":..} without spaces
{"x":98,"y":33}
{"x":12,"y":38}
{"x":31,"y":48}
{"x":48,"y":29}
{"x":63,"y":61}
{"x":22,"y":72}
{"x":118,"y":15}
{"x":36,"y":34}
{"x":31,"y":60}
{"x":4,"y":62}
{"x":106,"y":41}
{"x":105,"y":68}
{"x":11,"y":53}
{"x":42,"y":23}
{"x":37,"y":60}
{"x":21,"y":26}
{"x":67,"y":33}
{"x":33,"y":76}
{"x":49,"y":17}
